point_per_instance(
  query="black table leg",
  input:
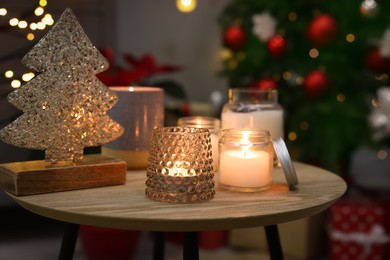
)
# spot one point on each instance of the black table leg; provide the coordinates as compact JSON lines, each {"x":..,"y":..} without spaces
{"x":190,"y":246}
{"x":159,"y":246}
{"x":275,"y":248}
{"x":69,"y":242}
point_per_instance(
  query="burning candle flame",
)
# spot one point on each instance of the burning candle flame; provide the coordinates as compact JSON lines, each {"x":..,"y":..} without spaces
{"x":245,"y":142}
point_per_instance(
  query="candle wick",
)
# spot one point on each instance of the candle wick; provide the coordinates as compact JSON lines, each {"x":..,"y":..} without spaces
{"x":244,"y":151}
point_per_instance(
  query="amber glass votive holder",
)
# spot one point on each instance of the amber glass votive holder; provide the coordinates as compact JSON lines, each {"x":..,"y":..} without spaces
{"x":180,"y":165}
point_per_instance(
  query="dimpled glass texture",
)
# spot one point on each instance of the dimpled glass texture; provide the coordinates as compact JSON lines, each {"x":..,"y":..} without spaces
{"x":180,"y":165}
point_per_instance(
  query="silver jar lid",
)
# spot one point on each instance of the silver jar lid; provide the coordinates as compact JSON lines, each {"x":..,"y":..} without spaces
{"x":285,"y":161}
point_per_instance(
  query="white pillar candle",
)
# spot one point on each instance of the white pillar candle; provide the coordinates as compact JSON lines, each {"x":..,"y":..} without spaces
{"x":271,"y":120}
{"x":245,"y":168}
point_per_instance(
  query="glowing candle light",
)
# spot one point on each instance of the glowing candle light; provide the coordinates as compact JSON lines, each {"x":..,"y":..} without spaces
{"x":246,"y":160}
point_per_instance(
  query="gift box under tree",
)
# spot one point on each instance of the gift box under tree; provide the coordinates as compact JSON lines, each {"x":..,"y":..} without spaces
{"x":359,"y":229}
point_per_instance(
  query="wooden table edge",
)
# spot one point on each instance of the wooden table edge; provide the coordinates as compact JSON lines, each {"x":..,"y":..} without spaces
{"x":175,"y":225}
{"x":189,"y":224}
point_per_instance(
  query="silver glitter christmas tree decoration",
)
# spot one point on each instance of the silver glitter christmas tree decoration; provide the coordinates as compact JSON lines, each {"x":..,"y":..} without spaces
{"x":64,"y":106}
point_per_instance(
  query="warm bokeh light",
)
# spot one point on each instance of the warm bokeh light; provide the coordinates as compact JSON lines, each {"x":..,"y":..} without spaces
{"x":350,"y":37}
{"x":286,"y":75}
{"x":368,"y":6}
{"x":41,"y":26}
{"x":382,"y":154}
{"x":292,"y":16}
{"x":16,"y":83}
{"x":292,"y":136}
{"x":225,"y":54}
{"x":14,"y":21}
{"x":28,"y":76}
{"x":340,"y":97}
{"x":22,"y":24}
{"x":9,"y":74}
{"x":313,"y":53}
{"x":43,"y":3}
{"x":33,"y":26}
{"x":30,"y":36}
{"x":186,"y":6}
{"x":48,"y":19}
{"x":3,"y":11}
{"x":39,"y":11}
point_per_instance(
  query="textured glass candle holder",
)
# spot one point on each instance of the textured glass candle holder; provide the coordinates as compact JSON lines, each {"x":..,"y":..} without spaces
{"x":180,"y":165}
{"x":210,"y":123}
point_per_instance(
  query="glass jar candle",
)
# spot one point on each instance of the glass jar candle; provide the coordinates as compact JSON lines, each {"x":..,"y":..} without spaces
{"x":254,"y":109}
{"x":179,"y":166}
{"x":245,"y":160}
{"x":210,"y":123}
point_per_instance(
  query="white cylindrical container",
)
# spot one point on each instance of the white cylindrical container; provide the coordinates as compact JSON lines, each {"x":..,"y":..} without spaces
{"x":254,"y":109}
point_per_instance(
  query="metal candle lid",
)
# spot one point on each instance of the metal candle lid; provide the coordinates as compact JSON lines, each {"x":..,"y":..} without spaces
{"x":285,"y":161}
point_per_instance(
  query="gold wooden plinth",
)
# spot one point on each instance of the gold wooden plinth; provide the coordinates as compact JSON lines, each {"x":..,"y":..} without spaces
{"x":35,"y":177}
{"x":136,"y":160}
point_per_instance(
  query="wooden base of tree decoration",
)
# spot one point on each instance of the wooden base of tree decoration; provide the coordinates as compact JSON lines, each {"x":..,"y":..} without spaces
{"x":35,"y":177}
{"x":64,"y":110}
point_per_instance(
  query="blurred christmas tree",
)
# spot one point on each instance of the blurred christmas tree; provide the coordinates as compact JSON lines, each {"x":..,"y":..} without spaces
{"x":326,"y":58}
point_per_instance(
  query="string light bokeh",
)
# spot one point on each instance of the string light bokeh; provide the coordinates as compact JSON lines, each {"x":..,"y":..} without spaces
{"x":186,"y":6}
{"x":39,"y":21}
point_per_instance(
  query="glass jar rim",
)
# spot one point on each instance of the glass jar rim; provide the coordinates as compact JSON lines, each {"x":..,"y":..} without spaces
{"x":245,"y":136}
{"x":199,"y":122}
{"x":180,"y":130}
{"x":251,"y":90}
{"x":252,"y":95}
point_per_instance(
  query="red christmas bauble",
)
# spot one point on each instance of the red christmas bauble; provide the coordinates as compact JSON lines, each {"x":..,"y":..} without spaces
{"x":376,"y":62}
{"x":316,"y":83}
{"x":322,"y":29}
{"x":277,"y":45}
{"x":264,"y":84}
{"x":234,"y":37}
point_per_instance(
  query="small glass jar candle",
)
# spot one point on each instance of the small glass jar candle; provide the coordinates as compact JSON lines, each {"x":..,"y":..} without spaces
{"x":255,"y":109}
{"x":180,"y":165}
{"x":245,"y":160}
{"x":210,"y":123}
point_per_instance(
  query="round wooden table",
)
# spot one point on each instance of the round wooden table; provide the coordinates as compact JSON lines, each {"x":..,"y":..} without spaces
{"x":126,"y":206}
